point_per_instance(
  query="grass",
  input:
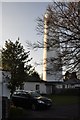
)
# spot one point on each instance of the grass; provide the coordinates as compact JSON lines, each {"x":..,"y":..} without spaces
{"x":64,"y":99}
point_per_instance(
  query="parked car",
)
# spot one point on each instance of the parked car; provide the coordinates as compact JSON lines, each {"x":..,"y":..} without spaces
{"x":30,"y":99}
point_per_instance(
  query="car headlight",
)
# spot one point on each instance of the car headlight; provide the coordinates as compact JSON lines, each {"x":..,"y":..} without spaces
{"x":40,"y":101}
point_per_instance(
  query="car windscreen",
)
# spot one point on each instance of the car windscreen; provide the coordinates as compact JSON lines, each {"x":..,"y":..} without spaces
{"x":35,"y":94}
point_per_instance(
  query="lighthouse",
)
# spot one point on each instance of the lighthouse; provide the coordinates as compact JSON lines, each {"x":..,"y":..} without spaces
{"x":46,"y":20}
{"x":49,"y":72}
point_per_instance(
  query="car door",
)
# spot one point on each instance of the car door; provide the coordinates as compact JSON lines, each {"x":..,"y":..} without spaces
{"x":26,"y":100}
{"x":16,"y":99}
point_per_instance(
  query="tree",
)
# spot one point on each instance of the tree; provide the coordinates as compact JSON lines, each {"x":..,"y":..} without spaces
{"x":16,"y":60}
{"x":63,"y":24}
{"x":35,"y":77}
{"x":67,"y":76}
{"x":73,"y":75}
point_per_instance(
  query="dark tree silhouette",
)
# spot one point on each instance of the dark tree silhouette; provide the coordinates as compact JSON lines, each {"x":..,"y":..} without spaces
{"x":35,"y":77}
{"x":64,"y":32}
{"x":16,"y":60}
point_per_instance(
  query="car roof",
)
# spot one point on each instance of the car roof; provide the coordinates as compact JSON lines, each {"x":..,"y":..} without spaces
{"x":24,"y":91}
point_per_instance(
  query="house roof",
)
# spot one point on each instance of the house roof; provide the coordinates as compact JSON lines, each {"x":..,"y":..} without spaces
{"x":47,"y":82}
{"x":39,"y":81}
{"x":72,"y":81}
{"x":54,"y":82}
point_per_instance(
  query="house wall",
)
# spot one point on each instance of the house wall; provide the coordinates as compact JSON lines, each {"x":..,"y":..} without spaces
{"x":49,"y":89}
{"x":0,"y":95}
{"x":4,"y":91}
{"x":0,"y":83}
{"x":32,"y":86}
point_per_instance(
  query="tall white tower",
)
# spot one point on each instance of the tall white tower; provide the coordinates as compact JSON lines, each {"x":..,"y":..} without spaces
{"x":46,"y":20}
{"x":52,"y":52}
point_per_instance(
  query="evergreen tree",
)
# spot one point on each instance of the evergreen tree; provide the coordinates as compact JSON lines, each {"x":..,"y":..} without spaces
{"x":16,"y":60}
{"x":35,"y":77}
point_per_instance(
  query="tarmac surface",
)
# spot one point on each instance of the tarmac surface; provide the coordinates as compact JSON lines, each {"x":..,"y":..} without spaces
{"x":67,"y":111}
{"x":71,"y":112}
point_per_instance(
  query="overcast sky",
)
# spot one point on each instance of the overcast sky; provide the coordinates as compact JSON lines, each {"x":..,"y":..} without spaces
{"x":19,"y":20}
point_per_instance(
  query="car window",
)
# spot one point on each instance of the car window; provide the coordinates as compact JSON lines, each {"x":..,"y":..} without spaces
{"x":25,"y":95}
{"x":17,"y":94}
{"x":35,"y":94}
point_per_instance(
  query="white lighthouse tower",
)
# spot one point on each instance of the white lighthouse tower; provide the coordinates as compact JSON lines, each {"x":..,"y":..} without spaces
{"x":46,"y":19}
{"x":51,"y":53}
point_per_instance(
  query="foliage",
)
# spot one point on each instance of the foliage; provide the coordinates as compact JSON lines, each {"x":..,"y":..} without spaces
{"x":35,"y":77}
{"x":15,"y":60}
{"x":63,"y":33}
{"x":69,"y":76}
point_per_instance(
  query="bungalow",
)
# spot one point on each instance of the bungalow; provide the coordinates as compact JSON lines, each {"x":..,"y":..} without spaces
{"x":44,"y":87}
{"x":29,"y":85}
{"x":72,"y":83}
{"x":36,"y":85}
{"x":53,"y":86}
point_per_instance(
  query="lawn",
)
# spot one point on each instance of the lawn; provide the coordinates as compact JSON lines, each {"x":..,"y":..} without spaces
{"x":64,"y":99}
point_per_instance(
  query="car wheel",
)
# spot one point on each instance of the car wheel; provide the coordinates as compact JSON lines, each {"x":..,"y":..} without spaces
{"x":33,"y":107}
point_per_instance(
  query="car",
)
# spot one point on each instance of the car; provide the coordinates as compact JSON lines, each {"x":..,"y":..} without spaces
{"x":30,"y":99}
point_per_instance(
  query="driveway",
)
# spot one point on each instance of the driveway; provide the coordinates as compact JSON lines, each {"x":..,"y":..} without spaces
{"x":67,"y":111}
{"x":57,"y":112}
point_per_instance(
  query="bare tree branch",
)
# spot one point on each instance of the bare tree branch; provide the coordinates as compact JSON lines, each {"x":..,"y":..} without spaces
{"x":64,"y":32}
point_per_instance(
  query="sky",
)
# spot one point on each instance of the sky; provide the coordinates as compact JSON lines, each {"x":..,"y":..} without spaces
{"x":19,"y":20}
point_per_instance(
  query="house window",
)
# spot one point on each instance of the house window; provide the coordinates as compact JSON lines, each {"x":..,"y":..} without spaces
{"x":37,"y":87}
